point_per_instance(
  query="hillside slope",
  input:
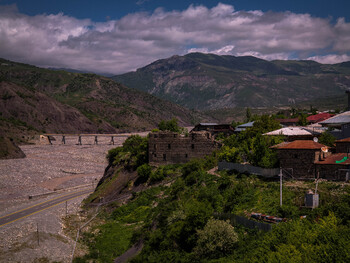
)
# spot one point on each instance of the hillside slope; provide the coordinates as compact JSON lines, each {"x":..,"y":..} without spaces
{"x":44,"y":100}
{"x":207,"y":81}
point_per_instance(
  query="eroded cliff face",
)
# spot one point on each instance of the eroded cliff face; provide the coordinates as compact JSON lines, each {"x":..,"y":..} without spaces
{"x":117,"y":184}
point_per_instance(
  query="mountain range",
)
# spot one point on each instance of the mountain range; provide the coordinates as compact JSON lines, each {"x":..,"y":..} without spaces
{"x":37,"y":100}
{"x":208,"y":82}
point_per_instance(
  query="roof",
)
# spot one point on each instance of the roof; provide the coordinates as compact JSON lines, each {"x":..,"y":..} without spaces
{"x":291,"y":131}
{"x":246,"y":125}
{"x":337,"y":120}
{"x":207,"y":124}
{"x":343,"y":140}
{"x":336,"y":158}
{"x":301,"y":144}
{"x":294,"y":120}
{"x":319,"y":117}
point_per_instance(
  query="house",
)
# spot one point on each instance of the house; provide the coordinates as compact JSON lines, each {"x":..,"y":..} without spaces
{"x":173,"y":148}
{"x":319,"y":117}
{"x":343,"y":145}
{"x":300,"y":156}
{"x":214,"y":128}
{"x":244,"y":126}
{"x":334,"y":167}
{"x":340,"y":125}
{"x":294,"y":133}
{"x":288,"y":122}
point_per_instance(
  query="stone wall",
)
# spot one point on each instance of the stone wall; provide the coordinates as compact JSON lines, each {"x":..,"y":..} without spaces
{"x":172,"y":148}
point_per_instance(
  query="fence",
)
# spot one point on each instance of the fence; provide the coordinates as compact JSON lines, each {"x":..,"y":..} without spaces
{"x":240,"y":220}
{"x":247,"y":168}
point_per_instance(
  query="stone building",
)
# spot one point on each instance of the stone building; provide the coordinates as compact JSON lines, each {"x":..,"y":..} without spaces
{"x":343,"y":146}
{"x":334,"y":167}
{"x":300,"y":157}
{"x":172,"y":148}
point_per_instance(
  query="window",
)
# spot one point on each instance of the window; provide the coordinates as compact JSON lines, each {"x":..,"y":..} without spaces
{"x":155,"y":146}
{"x":295,"y":156}
{"x":169,"y":146}
{"x":164,"y":157}
{"x":186,"y":155}
{"x":192,"y":146}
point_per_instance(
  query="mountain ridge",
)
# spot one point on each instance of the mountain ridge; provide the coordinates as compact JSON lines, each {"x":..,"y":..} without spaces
{"x":36,"y":100}
{"x":208,"y":81}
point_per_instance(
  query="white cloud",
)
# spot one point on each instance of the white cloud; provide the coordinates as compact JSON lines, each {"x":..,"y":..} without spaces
{"x":330,"y":59}
{"x":137,"y":39}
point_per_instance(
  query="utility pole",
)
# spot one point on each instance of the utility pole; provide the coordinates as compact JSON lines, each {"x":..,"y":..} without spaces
{"x":281,"y":186}
{"x":37,"y":232}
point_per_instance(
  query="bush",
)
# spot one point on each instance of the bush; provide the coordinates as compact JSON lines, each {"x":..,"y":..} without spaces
{"x":217,"y":239}
{"x":144,"y":171}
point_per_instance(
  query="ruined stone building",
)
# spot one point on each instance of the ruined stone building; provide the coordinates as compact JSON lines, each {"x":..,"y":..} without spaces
{"x":172,"y":148}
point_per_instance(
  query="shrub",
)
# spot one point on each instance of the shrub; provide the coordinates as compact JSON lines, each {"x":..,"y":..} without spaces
{"x":217,"y":239}
{"x":144,"y":171}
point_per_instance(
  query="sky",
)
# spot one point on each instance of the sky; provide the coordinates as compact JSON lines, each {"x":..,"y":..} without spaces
{"x":118,"y":36}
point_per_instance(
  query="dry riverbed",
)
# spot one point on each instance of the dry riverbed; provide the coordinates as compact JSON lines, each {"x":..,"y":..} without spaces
{"x":53,"y":170}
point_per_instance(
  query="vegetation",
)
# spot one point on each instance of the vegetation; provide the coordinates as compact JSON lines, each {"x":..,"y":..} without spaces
{"x":327,"y":139}
{"x":171,"y":125}
{"x":251,"y":146}
{"x":177,"y":219}
{"x":176,"y":222}
{"x":132,"y":154}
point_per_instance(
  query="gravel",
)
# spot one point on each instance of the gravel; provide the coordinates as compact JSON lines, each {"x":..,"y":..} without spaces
{"x":54,"y":170}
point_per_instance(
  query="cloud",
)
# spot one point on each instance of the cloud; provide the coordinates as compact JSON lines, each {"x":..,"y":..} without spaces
{"x":116,"y":46}
{"x":330,"y":59}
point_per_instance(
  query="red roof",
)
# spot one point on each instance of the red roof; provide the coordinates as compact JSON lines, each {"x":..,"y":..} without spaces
{"x":319,"y":117}
{"x":341,"y":158}
{"x":344,"y":140}
{"x":301,"y":144}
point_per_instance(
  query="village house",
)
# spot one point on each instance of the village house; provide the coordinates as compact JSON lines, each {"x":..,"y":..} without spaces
{"x":343,"y":145}
{"x":295,"y":133}
{"x":300,"y":157}
{"x":307,"y":159}
{"x":340,"y":125}
{"x":173,"y":148}
{"x":334,"y":167}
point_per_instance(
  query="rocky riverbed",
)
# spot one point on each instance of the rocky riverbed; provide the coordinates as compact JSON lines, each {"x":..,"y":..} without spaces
{"x":47,"y":171}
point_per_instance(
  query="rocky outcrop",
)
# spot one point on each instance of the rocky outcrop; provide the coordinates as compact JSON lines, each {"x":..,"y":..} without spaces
{"x":9,"y":150}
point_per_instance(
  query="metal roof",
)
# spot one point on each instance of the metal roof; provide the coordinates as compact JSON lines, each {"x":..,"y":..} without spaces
{"x":246,"y":125}
{"x":291,"y":131}
{"x":337,"y":120}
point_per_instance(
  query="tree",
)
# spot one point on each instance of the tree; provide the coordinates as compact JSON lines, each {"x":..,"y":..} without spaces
{"x":302,"y":120}
{"x":217,"y":239}
{"x":248,"y":114}
{"x":170,"y":125}
{"x":327,"y":139}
